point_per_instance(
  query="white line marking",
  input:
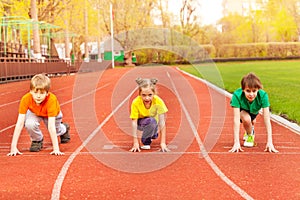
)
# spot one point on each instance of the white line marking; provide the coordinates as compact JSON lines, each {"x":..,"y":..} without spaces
{"x":86,"y":94}
{"x":46,"y":154}
{"x":190,"y":152}
{"x":9,"y":127}
{"x":58,"y":183}
{"x":112,"y":146}
{"x":6,"y":104}
{"x":285,"y":147}
{"x":214,"y":167}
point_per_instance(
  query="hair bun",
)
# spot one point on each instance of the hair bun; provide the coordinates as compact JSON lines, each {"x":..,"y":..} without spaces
{"x":139,"y":81}
{"x":146,"y":81}
{"x":153,"y":81}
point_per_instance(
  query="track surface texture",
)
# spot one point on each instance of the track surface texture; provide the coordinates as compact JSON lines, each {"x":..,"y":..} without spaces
{"x":98,"y":165}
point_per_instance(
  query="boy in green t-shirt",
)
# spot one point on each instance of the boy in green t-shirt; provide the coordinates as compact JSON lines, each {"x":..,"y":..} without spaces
{"x":247,"y":102}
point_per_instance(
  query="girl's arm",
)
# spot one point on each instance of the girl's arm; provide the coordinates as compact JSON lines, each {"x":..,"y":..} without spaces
{"x":19,"y":126}
{"x":136,"y":145}
{"x":162,"y":127}
{"x":53,"y":136}
{"x":236,"y":131}
{"x":269,"y":147}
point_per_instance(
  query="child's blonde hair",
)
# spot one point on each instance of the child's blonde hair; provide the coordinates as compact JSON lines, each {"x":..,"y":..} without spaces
{"x":145,"y":82}
{"x":251,"y":81}
{"x":40,"y":82}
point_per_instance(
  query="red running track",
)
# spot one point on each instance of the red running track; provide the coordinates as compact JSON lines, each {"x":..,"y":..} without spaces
{"x":97,"y":164}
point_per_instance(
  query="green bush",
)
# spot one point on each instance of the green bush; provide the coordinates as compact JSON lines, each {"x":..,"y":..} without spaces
{"x":252,"y":50}
{"x":174,"y":54}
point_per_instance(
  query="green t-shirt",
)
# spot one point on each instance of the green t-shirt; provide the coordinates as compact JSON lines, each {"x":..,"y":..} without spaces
{"x":239,"y":100}
{"x":138,"y":109}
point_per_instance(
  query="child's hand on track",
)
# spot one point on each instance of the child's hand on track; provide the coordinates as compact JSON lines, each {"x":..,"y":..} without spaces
{"x":57,"y":153}
{"x":14,"y":153}
{"x":270,"y":148}
{"x":236,"y":148}
{"x":164,"y":148}
{"x":135,"y":148}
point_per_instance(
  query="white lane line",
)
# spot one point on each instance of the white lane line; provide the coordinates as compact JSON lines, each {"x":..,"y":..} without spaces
{"x":7,"y":104}
{"x":86,"y":94}
{"x":187,"y":152}
{"x":9,"y":127}
{"x":44,"y":154}
{"x":203,"y":151}
{"x":59,"y":181}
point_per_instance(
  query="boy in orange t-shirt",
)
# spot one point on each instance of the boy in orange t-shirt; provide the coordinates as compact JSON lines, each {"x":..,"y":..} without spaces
{"x":40,"y":105}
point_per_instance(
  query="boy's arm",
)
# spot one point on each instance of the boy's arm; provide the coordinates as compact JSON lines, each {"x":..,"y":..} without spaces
{"x":19,"y":126}
{"x":163,"y":130}
{"x":136,"y":146}
{"x":53,"y":136}
{"x":269,"y":147}
{"x":236,"y":131}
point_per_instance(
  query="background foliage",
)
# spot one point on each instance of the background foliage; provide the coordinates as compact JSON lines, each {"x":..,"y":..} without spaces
{"x":277,"y":21}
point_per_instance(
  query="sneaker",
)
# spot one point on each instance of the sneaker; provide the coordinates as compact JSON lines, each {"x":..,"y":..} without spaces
{"x":246,"y":135}
{"x":36,"y":146}
{"x":249,"y":142}
{"x":146,"y":147}
{"x":65,"y":138}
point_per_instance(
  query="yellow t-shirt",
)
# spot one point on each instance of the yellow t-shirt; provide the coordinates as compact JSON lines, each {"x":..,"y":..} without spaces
{"x":138,"y":109}
{"x":48,"y":108}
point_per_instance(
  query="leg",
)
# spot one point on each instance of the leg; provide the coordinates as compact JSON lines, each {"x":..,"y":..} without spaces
{"x":149,"y":127}
{"x":60,"y":128}
{"x":32,"y":125}
{"x":246,"y":120}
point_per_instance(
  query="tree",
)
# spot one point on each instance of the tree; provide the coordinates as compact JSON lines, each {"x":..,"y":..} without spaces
{"x":281,"y":20}
{"x":135,"y":15}
{"x":188,"y":18}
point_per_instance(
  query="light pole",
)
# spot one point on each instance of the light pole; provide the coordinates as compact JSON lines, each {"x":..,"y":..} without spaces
{"x":86,"y":49}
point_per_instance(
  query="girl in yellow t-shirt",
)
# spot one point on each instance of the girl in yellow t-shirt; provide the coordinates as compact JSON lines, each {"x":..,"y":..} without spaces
{"x":148,"y":115}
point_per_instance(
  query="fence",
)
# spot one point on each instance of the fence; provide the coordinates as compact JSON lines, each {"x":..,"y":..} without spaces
{"x":14,"y":69}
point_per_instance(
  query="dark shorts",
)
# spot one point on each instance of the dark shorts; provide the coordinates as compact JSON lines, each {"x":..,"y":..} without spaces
{"x":252,"y":116}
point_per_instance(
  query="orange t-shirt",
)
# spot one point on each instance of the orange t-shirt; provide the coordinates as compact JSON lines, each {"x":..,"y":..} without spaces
{"x":48,"y":108}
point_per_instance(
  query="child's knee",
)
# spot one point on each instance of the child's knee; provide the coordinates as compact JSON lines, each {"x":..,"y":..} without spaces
{"x":31,"y":125}
{"x":246,"y":120}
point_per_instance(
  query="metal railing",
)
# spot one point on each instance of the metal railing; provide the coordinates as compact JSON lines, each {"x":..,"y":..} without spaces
{"x":15,"y":69}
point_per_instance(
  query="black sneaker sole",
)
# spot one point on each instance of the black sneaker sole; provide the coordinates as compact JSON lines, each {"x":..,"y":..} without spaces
{"x":65,"y":138}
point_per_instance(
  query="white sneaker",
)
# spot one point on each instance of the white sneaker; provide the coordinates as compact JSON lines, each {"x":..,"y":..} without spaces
{"x":146,"y":147}
{"x":245,"y":137}
{"x":249,"y":142}
{"x":249,"y":139}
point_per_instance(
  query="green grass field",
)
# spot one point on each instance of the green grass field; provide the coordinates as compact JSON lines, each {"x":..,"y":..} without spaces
{"x":281,"y":79}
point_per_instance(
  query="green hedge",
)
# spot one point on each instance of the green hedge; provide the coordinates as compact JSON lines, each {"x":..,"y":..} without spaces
{"x":174,"y":54}
{"x":188,"y":54}
{"x":252,"y":50}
